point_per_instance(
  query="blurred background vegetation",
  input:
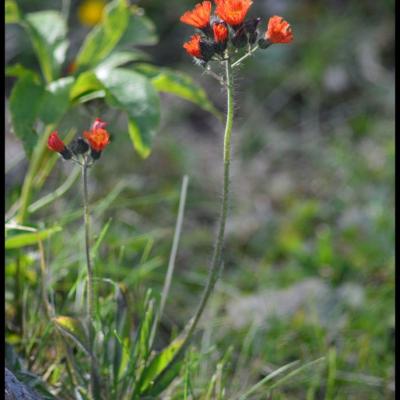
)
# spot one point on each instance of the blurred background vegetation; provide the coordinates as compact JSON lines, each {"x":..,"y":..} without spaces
{"x":309,"y":256}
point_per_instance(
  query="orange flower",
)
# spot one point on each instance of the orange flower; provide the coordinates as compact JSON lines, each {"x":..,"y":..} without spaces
{"x":279,"y":30}
{"x":233,"y":12}
{"x":98,"y":139}
{"x":54,"y":143}
{"x":199,"y":17}
{"x":220,"y":32}
{"x":192,"y":46}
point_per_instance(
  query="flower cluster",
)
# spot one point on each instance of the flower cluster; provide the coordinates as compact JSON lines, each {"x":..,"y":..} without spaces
{"x":227,"y":25}
{"x":96,"y":139}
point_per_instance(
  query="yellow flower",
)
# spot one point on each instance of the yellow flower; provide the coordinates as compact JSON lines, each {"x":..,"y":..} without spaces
{"x":90,"y":12}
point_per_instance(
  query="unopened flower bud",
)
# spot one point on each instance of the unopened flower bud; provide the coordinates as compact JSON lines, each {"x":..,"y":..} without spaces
{"x":240,"y":40}
{"x":79,"y":146}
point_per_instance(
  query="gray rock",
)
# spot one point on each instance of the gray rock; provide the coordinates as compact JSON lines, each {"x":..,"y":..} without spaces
{"x":15,"y":390}
{"x":313,"y":295}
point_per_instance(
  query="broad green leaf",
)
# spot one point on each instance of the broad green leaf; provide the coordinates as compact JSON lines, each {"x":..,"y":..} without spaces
{"x":104,"y":37}
{"x":159,"y":363}
{"x":55,"y":100}
{"x":86,"y":83}
{"x":140,"y":32}
{"x":179,"y":84}
{"x":25,"y":100}
{"x":74,"y":329}
{"x":18,"y":71}
{"x":30,"y":238}
{"x":120,"y":58}
{"x":12,"y":13}
{"x":48,"y":30}
{"x":134,"y":93}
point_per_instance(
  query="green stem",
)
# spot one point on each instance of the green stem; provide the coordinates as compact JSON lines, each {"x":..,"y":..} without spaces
{"x":94,"y":388}
{"x":216,"y":262}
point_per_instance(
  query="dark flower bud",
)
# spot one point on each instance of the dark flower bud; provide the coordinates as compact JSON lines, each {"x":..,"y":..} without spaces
{"x":207,"y":50}
{"x":95,"y":154}
{"x":251,"y":29}
{"x":263,"y":44}
{"x":66,"y":154}
{"x":79,"y":146}
{"x":240,"y":38}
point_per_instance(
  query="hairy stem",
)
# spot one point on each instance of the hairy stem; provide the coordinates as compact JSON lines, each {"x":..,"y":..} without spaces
{"x":216,"y":262}
{"x":94,"y":383}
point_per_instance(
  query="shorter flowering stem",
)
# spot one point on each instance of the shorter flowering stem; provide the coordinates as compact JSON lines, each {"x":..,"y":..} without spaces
{"x":250,"y":53}
{"x":94,"y":383}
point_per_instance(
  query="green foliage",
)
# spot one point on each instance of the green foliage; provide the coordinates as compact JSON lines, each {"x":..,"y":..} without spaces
{"x":104,"y":37}
{"x":134,"y":94}
{"x":28,"y":239}
{"x":157,"y":366}
{"x":313,"y":198}
{"x":24,"y":107}
{"x":12,"y":13}
{"x":179,"y":84}
{"x":97,"y":74}
{"x":73,"y":329}
{"x":47,"y":31}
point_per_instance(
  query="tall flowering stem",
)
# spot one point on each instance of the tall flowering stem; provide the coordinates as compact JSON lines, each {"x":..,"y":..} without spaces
{"x":220,"y":39}
{"x":216,"y":262}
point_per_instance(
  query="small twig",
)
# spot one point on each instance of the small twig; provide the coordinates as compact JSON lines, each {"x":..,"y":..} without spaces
{"x":250,"y":53}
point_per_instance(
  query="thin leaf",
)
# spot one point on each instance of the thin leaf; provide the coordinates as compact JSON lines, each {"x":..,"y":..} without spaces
{"x":73,"y":329}
{"x":102,"y":235}
{"x":164,"y":381}
{"x":158,"y":364}
{"x":28,"y":239}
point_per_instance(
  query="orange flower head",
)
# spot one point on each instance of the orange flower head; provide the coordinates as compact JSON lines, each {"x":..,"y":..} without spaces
{"x":192,"y":46}
{"x":98,"y":139}
{"x":54,"y":143}
{"x":199,"y":17}
{"x":220,"y":32}
{"x":278,"y":31}
{"x":233,"y":12}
